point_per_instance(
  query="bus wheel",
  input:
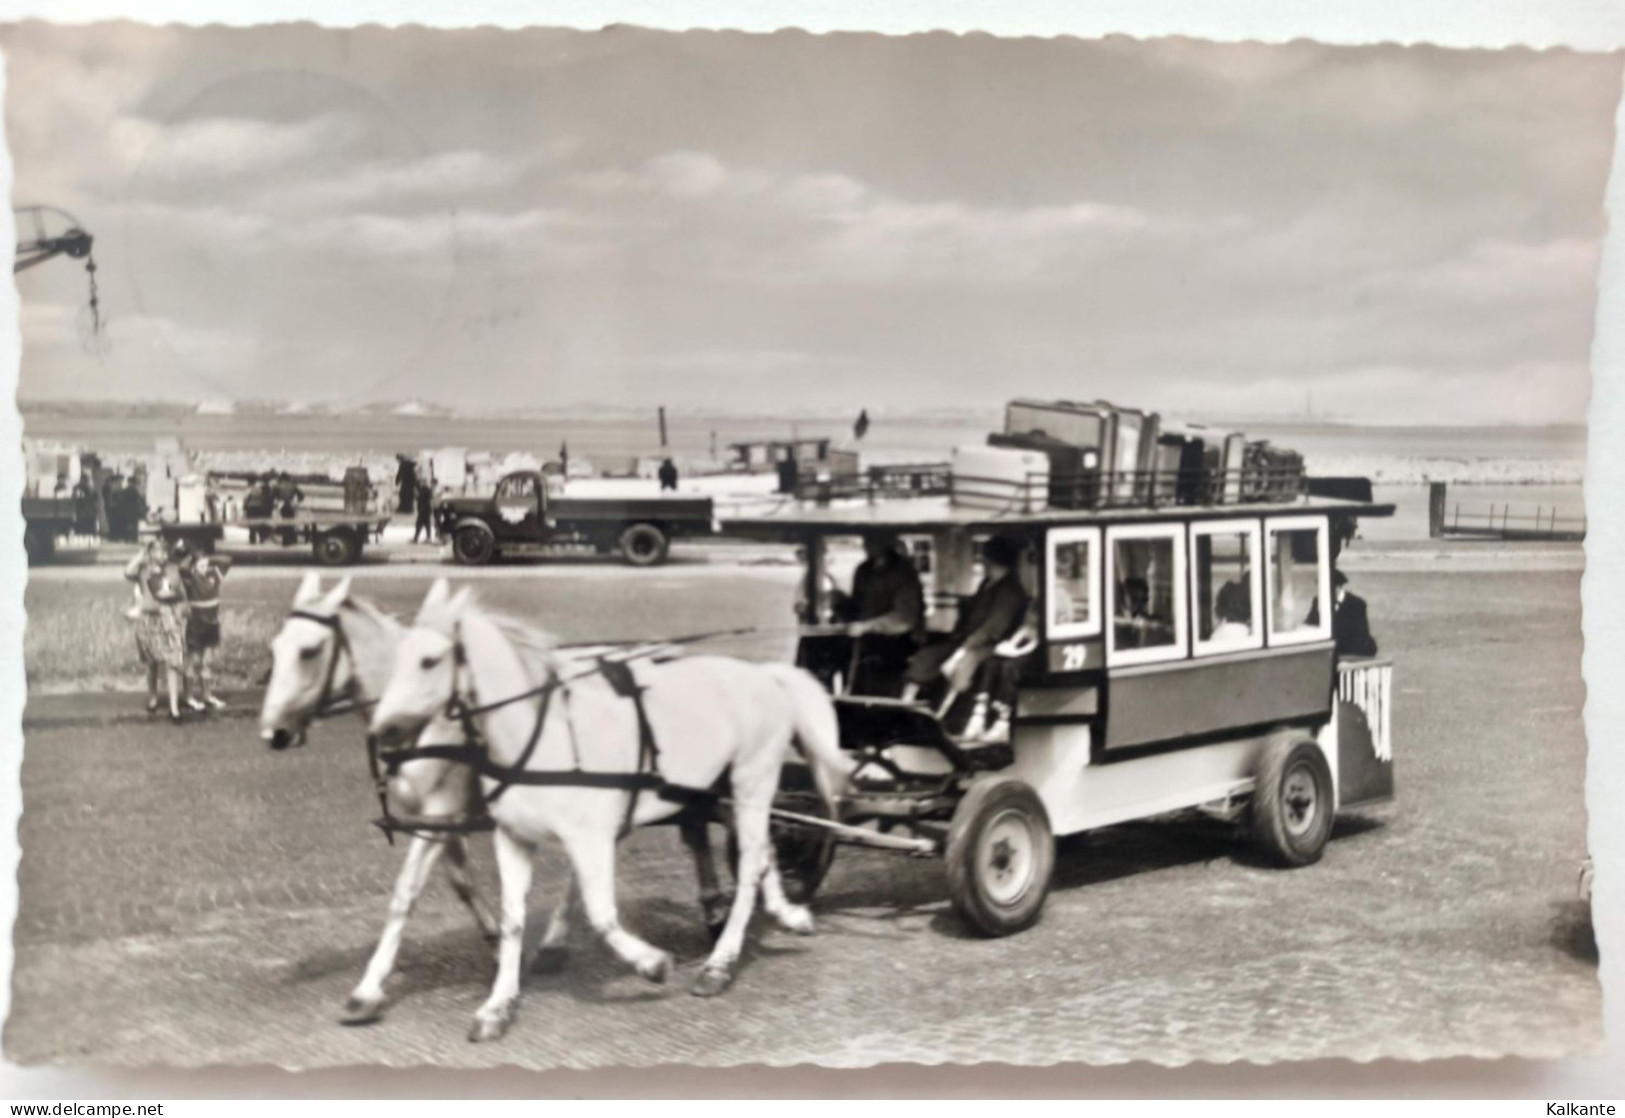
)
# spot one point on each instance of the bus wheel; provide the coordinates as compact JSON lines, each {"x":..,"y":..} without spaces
{"x":1000,"y":857}
{"x":338,"y":548}
{"x":473,"y":544}
{"x":1292,"y":802}
{"x":644,"y":545}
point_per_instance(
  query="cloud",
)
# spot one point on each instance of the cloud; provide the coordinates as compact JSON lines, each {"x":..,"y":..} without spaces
{"x":832,"y":228}
{"x":446,"y":179}
{"x":226,"y":147}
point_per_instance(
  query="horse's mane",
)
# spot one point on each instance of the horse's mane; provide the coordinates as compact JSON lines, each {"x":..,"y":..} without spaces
{"x":372,"y":611}
{"x":536,"y":647}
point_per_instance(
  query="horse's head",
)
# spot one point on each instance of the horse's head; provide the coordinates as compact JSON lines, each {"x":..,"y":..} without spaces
{"x":424,"y":680}
{"x":308,"y":665}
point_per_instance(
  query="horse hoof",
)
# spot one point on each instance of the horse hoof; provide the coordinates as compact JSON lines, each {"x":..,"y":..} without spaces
{"x":798,"y":920}
{"x":657,"y":969}
{"x":490,"y":1028}
{"x":712,"y":981}
{"x":549,"y":960}
{"x":362,"y":1011}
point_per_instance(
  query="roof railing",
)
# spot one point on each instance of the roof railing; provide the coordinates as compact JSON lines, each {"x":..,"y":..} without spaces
{"x":1087,"y":491}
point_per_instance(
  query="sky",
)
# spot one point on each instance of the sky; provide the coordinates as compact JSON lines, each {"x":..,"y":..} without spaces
{"x":762,"y":224}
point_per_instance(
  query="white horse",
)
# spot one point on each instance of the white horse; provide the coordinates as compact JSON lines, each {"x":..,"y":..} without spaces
{"x":338,"y":647}
{"x":710,"y":716}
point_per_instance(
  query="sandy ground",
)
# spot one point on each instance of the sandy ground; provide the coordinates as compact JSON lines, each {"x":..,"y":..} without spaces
{"x":188,"y":896}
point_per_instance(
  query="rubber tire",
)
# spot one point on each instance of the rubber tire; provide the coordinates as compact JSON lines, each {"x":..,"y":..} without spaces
{"x":1270,"y":814}
{"x":985,"y":803}
{"x":337,"y":548}
{"x":803,"y":859}
{"x":644,"y":545}
{"x":473,"y":544}
{"x":40,"y":546}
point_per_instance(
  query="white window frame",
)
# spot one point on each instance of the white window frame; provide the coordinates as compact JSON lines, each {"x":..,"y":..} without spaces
{"x":1162,"y":653}
{"x":1323,"y":632}
{"x":1255,"y":582}
{"x":1090,"y":625}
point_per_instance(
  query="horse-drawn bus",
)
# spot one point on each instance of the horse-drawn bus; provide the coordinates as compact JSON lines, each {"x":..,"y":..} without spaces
{"x":1177,"y":653}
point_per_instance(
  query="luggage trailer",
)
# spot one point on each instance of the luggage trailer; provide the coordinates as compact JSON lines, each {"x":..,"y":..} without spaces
{"x":1247,"y":713}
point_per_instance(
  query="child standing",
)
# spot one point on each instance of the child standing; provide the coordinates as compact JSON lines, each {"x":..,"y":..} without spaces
{"x":203,"y":575}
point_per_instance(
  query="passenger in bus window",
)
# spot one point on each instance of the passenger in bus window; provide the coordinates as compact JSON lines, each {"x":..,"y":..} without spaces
{"x":1069,"y":588}
{"x":1233,"y":613}
{"x":1133,"y":621}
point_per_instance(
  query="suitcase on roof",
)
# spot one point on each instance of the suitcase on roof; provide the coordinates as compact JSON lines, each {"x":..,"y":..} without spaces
{"x":1089,"y":426}
{"x":1074,"y":473}
{"x":1001,"y":479}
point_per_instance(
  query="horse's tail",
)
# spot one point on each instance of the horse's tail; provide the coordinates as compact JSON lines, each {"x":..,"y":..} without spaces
{"x":818,"y":732}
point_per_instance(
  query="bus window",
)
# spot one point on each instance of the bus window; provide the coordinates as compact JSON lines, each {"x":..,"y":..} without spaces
{"x":1146,"y":579}
{"x":1299,"y":580}
{"x":1225,"y":586}
{"x":1074,"y":572}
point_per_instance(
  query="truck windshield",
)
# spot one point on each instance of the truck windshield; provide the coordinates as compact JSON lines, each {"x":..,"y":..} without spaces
{"x":519,"y":487}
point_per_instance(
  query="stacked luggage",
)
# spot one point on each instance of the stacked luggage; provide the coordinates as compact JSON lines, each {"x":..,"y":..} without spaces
{"x":1068,"y":455}
{"x":1270,"y":473}
{"x":1100,"y":455}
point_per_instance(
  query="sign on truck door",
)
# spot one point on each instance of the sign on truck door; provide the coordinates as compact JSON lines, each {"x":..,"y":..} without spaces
{"x":518,"y":507}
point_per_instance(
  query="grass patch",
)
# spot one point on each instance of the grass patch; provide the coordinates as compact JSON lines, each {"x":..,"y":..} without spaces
{"x":78,"y":639}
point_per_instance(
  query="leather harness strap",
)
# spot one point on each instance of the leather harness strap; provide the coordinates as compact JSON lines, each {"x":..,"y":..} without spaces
{"x":474,"y":752}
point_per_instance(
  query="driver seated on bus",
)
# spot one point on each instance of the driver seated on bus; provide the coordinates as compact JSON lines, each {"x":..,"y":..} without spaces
{"x":994,"y":613}
{"x":884,"y":615}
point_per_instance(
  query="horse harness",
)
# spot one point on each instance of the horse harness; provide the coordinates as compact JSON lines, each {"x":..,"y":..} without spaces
{"x":327,"y":703}
{"x":474,"y":753}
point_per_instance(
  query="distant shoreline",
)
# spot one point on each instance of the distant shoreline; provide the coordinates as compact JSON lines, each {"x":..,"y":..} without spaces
{"x":256,"y":411}
{"x":325,"y":444}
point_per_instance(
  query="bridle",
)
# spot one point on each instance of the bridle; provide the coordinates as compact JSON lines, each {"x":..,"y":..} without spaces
{"x":329,"y":704}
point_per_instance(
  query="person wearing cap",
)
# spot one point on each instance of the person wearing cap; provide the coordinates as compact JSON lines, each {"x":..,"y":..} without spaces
{"x":884,"y":615}
{"x":202,"y":574}
{"x":1351,"y":628}
{"x":993,"y":614}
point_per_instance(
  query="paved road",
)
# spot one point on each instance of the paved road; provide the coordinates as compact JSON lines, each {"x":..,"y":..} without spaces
{"x":190,"y":897}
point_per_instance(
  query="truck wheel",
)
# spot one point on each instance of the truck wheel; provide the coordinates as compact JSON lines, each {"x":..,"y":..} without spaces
{"x":1292,"y":802}
{"x":40,"y":544}
{"x":338,"y":548}
{"x":644,"y":545}
{"x":473,"y":544}
{"x":1000,"y":857}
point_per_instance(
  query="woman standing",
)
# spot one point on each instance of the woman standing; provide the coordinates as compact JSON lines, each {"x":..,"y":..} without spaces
{"x":160,"y":624}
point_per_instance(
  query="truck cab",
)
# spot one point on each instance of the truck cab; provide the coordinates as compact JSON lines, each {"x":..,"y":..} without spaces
{"x":522,"y":513}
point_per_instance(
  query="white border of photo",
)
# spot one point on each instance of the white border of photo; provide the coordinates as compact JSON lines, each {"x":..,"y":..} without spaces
{"x":1580,"y":24}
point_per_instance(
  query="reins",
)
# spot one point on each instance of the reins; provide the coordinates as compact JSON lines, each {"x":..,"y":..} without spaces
{"x":474,"y":750}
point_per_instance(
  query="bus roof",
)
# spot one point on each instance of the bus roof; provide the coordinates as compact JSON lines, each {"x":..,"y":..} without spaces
{"x":926,"y":514}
